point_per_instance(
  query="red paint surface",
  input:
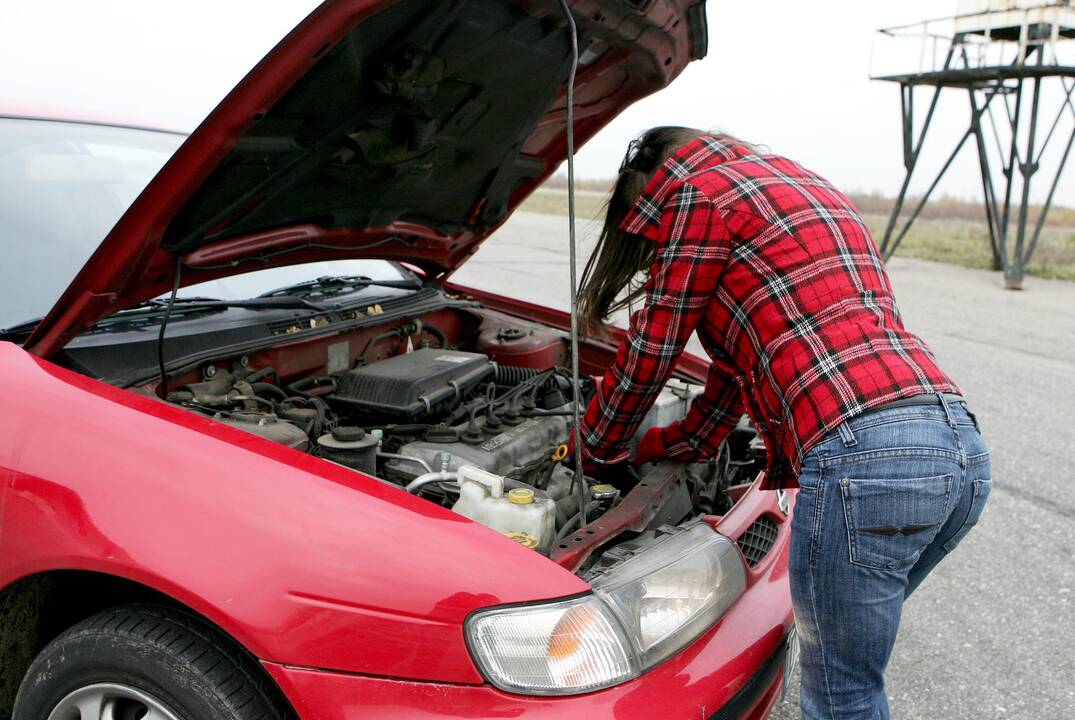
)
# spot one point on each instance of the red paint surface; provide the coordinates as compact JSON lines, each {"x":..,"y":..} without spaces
{"x":314,"y":566}
{"x":302,"y":561}
{"x":691,"y":685}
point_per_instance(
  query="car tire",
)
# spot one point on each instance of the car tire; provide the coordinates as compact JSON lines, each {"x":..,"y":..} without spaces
{"x":143,"y":661}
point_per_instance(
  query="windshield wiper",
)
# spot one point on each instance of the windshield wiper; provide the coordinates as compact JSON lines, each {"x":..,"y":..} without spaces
{"x":290,"y":297}
{"x":20,"y":328}
{"x":191,"y":304}
{"x":330,"y":285}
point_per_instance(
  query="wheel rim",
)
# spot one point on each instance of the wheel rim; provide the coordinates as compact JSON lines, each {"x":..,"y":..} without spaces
{"x":111,"y":701}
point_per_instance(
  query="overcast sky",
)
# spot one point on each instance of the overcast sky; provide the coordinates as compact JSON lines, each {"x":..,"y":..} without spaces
{"x":789,"y":74}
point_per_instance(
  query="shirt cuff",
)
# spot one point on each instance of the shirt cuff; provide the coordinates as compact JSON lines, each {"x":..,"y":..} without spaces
{"x":677,"y":444}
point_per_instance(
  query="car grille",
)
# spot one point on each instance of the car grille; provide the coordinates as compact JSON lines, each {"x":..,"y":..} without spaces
{"x":758,"y":540}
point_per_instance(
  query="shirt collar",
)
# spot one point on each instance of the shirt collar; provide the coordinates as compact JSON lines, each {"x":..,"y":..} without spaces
{"x":701,"y":153}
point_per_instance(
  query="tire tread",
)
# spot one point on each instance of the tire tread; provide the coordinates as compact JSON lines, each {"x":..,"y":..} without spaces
{"x":197,"y":648}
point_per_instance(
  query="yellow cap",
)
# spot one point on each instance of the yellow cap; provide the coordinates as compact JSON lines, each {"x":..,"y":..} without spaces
{"x":521,"y":496}
{"x":523,"y":538}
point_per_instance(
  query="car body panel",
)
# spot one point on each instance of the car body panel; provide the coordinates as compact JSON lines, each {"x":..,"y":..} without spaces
{"x":695,"y":683}
{"x":302,"y":561}
{"x":214,"y":204}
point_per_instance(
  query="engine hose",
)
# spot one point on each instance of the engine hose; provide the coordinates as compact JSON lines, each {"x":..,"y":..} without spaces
{"x":270,"y":389}
{"x":260,"y":374}
{"x":302,"y":387}
{"x":398,"y":332}
{"x":568,"y":527}
{"x":437,"y":333}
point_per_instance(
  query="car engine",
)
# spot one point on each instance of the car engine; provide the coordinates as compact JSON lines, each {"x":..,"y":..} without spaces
{"x":467,"y":431}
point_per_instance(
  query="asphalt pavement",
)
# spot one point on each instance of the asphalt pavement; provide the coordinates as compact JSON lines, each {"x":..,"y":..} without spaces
{"x":991,"y":633}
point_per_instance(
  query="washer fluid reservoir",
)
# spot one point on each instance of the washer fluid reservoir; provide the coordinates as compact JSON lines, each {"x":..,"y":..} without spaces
{"x":482,"y":499}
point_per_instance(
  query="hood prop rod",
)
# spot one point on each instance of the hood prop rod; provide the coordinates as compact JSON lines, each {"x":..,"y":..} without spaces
{"x":579,"y":478}
{"x":164,"y":325}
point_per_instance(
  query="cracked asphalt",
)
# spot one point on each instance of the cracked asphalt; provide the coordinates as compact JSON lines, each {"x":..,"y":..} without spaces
{"x":991,"y":633}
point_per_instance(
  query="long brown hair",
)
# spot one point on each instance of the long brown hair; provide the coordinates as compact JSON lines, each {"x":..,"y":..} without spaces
{"x":619,"y":257}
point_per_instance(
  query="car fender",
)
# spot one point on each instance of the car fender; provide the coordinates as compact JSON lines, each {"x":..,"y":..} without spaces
{"x":303,"y":562}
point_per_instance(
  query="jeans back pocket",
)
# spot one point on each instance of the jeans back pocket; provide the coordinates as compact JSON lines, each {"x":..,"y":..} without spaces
{"x":891,"y":521}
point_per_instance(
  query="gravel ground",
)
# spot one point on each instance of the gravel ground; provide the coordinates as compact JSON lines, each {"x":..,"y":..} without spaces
{"x":991,"y":634}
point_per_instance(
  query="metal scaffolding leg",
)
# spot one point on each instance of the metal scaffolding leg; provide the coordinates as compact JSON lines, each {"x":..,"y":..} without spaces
{"x":1013,"y":272}
{"x":911,"y":150}
{"x":889,"y":244}
{"x":989,"y":193}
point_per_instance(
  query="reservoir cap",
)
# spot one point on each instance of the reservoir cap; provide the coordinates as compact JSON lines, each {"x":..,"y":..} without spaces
{"x":521,"y":496}
{"x":603,"y":492}
{"x":523,"y":538}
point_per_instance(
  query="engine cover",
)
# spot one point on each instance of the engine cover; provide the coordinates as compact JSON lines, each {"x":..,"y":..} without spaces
{"x":412,"y":384}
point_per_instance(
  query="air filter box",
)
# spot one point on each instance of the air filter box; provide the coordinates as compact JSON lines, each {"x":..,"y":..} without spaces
{"x":412,"y":384}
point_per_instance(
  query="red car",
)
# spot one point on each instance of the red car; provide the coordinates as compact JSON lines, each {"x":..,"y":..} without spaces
{"x":261,"y":460}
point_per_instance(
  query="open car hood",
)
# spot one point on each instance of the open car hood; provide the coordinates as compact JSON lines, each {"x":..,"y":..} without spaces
{"x":405,"y":129}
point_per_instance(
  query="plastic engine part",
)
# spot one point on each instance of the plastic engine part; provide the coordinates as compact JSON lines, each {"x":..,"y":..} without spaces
{"x":412,"y":384}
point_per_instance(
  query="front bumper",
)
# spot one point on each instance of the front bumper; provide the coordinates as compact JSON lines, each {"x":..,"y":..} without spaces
{"x":320,"y":695}
{"x":732,"y":672}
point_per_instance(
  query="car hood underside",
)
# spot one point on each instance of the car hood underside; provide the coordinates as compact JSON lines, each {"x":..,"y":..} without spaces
{"x":406,"y":130}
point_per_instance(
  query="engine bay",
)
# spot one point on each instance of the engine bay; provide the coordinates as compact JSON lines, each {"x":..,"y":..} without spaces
{"x":471,"y":409}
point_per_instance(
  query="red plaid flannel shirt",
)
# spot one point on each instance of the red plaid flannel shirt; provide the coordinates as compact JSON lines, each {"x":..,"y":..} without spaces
{"x":775,"y":270}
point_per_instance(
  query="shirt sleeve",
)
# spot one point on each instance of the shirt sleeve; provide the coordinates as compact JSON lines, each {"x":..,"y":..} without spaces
{"x":692,"y":250}
{"x":712,"y":415}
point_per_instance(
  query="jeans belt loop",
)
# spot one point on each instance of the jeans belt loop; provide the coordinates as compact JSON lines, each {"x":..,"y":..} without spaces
{"x":847,"y":436}
{"x":947,"y":410}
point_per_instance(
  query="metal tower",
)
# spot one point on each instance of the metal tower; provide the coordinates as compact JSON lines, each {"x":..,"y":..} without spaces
{"x":994,"y":51}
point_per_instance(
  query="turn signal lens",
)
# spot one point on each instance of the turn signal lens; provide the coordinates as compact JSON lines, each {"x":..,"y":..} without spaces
{"x":557,"y":649}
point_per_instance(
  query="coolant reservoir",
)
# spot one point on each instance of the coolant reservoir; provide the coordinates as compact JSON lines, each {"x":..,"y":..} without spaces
{"x":482,"y":499}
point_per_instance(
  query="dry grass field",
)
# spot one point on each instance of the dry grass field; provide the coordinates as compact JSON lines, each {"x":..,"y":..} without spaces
{"x":949,"y":231}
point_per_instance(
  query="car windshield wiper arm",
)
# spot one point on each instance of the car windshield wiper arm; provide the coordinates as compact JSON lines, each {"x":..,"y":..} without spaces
{"x":20,"y":328}
{"x":155,"y":305}
{"x":338,"y":285}
{"x":291,"y":297}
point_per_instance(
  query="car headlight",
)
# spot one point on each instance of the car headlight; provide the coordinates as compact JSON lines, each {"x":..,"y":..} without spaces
{"x":642,"y":611}
{"x":551,"y":649}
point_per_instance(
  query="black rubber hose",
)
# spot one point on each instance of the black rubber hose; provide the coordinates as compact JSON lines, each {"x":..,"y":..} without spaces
{"x":303,"y":386}
{"x":260,"y":374}
{"x":437,"y":333}
{"x":398,"y":332}
{"x":261,"y":388}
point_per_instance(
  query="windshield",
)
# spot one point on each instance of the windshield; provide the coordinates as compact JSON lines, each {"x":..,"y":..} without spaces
{"x":252,"y":284}
{"x":62,"y":188}
{"x":64,"y":185}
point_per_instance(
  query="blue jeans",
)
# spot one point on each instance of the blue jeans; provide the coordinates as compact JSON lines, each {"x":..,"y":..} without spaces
{"x":882,"y":500}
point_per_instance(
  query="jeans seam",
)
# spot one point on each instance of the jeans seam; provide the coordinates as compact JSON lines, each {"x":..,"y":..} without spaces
{"x":871,"y":421}
{"x":815,"y":531}
{"x":906,"y":452}
{"x":821,"y":643}
{"x":976,"y":486}
{"x":851,"y":539}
